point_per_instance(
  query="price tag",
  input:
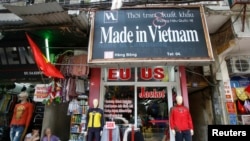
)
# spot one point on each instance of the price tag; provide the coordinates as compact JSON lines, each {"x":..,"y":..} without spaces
{"x":110,"y":125}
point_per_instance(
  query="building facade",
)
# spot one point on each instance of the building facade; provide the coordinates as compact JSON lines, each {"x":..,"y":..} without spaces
{"x":134,"y":81}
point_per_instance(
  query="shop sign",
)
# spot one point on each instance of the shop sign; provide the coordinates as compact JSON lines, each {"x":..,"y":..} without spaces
{"x":157,"y":73}
{"x":151,"y":94}
{"x":17,"y":62}
{"x":228,"y":91}
{"x":41,"y":92}
{"x":150,"y":35}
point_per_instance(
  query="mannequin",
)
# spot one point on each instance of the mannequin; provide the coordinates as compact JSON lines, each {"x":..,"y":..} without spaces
{"x":95,"y":122}
{"x":180,"y":121}
{"x":21,"y":117}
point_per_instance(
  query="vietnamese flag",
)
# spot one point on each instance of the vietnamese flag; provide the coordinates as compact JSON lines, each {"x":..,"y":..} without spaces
{"x":43,"y":64}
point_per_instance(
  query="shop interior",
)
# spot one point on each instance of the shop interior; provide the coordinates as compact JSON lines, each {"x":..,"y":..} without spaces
{"x":55,"y":95}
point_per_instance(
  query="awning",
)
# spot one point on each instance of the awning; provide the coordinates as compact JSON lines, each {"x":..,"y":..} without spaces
{"x":48,"y":14}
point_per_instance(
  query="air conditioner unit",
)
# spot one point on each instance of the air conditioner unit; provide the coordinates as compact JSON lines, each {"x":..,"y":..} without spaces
{"x":238,"y":65}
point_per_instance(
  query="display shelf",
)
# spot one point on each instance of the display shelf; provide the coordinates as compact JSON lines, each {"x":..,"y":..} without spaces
{"x":78,"y":119}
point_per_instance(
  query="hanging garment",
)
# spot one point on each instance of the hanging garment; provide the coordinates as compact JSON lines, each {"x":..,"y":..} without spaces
{"x":80,"y":88}
{"x":73,"y":107}
{"x":106,"y":134}
{"x":71,"y":88}
{"x":137,"y":136}
{"x":65,"y":96}
{"x":65,"y":68}
{"x":5,"y":102}
{"x":127,"y":133}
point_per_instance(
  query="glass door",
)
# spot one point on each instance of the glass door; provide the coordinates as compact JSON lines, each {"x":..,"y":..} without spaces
{"x":153,"y":105}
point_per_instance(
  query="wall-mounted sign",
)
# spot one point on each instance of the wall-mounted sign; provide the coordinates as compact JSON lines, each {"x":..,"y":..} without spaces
{"x":16,"y":59}
{"x":150,"y":35}
{"x":18,"y":63}
{"x":140,"y":74}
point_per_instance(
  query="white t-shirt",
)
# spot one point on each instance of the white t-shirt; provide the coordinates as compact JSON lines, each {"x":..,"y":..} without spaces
{"x":29,"y":135}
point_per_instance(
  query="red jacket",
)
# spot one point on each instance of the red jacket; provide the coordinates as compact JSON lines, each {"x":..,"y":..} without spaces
{"x":180,"y":118}
{"x":22,"y":114}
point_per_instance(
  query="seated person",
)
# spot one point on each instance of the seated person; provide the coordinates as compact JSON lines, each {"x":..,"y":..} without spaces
{"x":33,"y":136}
{"x":48,"y":136}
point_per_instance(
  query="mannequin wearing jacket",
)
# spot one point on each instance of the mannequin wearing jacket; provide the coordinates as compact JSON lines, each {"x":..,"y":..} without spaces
{"x":180,"y":121}
{"x":95,"y":122}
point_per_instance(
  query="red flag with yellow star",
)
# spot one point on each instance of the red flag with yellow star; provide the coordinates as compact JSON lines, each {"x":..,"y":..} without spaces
{"x":42,"y":63}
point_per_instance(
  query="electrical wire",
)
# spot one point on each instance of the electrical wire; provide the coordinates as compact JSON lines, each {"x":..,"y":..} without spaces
{"x":210,"y":83}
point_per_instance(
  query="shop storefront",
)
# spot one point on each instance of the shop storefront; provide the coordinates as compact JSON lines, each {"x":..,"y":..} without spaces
{"x":141,"y":96}
{"x":140,"y":52}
